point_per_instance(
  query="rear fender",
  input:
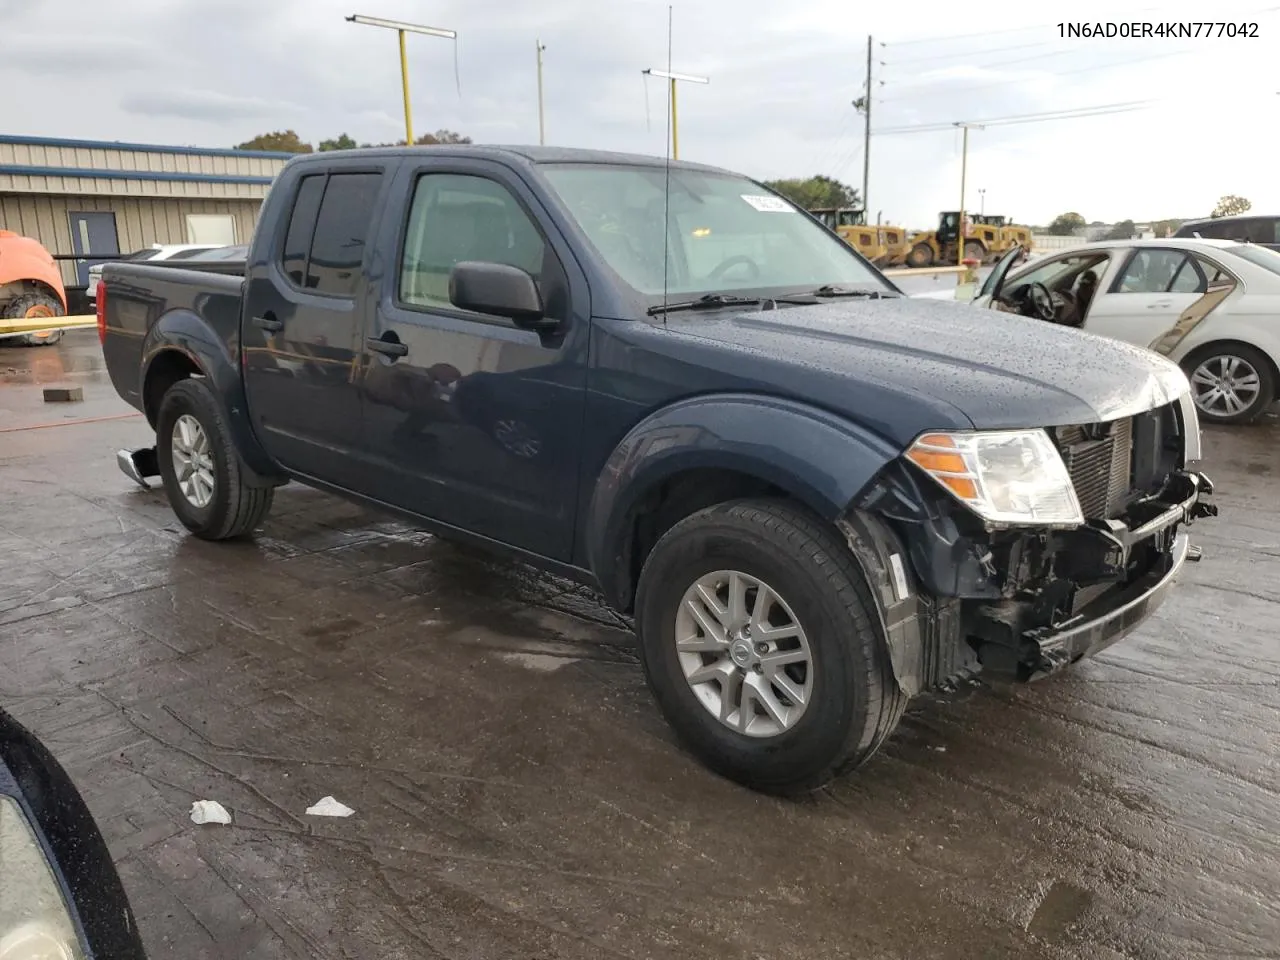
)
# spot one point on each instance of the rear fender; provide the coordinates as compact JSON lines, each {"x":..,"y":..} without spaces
{"x":820,"y":459}
{"x":186,"y":333}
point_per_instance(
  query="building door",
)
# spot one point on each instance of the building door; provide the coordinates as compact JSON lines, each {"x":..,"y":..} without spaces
{"x":92,"y":233}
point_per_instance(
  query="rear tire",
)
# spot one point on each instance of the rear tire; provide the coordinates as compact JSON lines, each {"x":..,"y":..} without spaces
{"x":1245,"y":369}
{"x":200,"y":468}
{"x":849,"y":701}
{"x":974,"y":251}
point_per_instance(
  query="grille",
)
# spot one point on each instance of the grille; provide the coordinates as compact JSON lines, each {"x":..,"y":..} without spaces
{"x":1099,"y":458}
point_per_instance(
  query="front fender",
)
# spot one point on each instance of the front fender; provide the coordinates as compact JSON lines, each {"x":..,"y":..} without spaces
{"x":822,"y":460}
{"x":186,"y":332}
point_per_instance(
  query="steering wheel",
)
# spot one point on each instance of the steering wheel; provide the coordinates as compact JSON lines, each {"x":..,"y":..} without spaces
{"x":1042,"y":300}
{"x":724,"y":266}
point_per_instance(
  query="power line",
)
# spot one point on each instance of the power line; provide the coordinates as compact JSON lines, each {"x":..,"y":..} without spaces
{"x":1014,"y":119}
{"x":964,"y":53}
{"x":1093,"y":68}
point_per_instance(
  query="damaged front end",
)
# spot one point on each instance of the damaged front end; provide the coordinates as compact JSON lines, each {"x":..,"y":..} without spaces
{"x":1026,"y":600}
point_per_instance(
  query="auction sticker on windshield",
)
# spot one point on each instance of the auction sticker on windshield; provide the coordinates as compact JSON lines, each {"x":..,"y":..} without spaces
{"x":769,"y":204}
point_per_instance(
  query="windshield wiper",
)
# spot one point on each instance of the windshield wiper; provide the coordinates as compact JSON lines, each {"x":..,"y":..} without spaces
{"x":710,"y":300}
{"x":827,"y":290}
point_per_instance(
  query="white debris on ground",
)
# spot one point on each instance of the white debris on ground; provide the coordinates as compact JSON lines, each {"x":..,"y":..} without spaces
{"x":209,"y":811}
{"x":329,"y":807}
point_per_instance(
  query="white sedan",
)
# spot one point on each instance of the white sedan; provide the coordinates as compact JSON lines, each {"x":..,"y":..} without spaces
{"x":157,"y":251}
{"x":1212,"y":306}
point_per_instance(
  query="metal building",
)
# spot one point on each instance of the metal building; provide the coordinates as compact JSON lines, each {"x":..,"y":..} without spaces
{"x":88,"y":199}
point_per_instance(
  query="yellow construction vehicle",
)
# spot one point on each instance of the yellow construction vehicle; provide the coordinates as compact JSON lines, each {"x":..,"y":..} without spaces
{"x":880,"y":244}
{"x":939,"y":247}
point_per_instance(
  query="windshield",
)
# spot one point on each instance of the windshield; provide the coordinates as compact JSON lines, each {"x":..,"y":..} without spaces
{"x":727,"y":234}
{"x":1258,"y":256}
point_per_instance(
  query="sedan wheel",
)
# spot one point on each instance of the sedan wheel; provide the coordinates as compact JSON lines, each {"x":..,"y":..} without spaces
{"x":1231,"y":385}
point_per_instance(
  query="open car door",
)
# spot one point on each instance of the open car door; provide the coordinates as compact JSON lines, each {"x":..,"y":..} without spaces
{"x":994,"y":283}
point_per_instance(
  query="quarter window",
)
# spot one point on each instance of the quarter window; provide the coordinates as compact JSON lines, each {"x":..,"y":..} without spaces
{"x":302,"y":224}
{"x":455,"y":218}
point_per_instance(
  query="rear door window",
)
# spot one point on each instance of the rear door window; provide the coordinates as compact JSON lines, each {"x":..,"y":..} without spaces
{"x":1160,"y":271}
{"x":342,"y":231}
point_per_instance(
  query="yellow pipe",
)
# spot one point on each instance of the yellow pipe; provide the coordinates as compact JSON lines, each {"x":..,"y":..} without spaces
{"x":404,"y":82}
{"x":675,"y":139}
{"x":10,"y":327}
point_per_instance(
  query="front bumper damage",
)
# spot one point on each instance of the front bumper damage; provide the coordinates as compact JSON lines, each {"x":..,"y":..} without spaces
{"x":956,"y":599}
{"x":1106,"y":552}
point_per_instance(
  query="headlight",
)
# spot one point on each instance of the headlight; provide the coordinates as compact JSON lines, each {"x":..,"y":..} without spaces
{"x":34,"y":921}
{"x":1004,"y":476}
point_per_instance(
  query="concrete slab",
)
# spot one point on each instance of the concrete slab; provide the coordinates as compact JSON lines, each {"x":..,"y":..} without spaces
{"x":517,"y":794}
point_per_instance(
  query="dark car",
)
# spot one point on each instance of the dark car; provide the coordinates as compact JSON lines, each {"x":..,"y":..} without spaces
{"x":1264,"y":231}
{"x":816,"y":496}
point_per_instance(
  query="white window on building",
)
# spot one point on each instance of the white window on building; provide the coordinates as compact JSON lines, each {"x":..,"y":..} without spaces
{"x":216,"y":229}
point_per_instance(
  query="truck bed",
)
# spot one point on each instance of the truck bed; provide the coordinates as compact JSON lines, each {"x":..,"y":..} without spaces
{"x":142,"y":295}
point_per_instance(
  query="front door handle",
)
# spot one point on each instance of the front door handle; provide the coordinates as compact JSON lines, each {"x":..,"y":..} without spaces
{"x":268,"y":323}
{"x":388,"y":348}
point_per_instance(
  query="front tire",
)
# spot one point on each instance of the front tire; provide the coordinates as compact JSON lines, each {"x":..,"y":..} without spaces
{"x":761,"y":643}
{"x":1230,"y":383}
{"x":200,"y":468}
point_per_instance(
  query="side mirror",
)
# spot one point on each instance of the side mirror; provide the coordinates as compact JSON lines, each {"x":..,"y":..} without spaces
{"x":499,"y":290}
{"x":60,"y":895}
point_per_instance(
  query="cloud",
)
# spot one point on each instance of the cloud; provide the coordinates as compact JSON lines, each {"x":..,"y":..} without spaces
{"x":204,"y":105}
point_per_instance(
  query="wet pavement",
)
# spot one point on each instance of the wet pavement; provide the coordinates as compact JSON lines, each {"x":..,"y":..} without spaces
{"x":518,"y":796}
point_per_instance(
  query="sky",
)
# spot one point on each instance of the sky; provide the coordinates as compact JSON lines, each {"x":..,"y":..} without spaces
{"x":779,"y":102}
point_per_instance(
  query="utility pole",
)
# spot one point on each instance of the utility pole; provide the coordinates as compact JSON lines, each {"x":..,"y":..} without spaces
{"x":401,"y":29}
{"x":964,"y":169}
{"x":542,"y":126}
{"x":866,"y":135}
{"x":982,"y":201}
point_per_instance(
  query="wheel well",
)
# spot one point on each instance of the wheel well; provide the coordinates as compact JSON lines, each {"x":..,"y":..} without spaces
{"x":165,"y":370}
{"x":669,"y":502}
{"x":1213,"y":345}
{"x":20,"y":288}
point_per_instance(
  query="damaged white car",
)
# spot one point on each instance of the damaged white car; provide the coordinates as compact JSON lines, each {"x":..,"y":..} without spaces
{"x":1212,"y":306}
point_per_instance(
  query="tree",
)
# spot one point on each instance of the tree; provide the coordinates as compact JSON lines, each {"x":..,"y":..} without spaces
{"x":1230,"y":206}
{"x":440,"y":136}
{"x":341,"y":142}
{"x":279,"y":141}
{"x":1124,"y":230}
{"x":1066,"y":224}
{"x":1165,"y":228}
{"x":426,"y":140}
{"x":817,"y":191}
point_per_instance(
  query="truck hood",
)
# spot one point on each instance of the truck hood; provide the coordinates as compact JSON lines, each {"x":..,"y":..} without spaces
{"x":997,"y":369}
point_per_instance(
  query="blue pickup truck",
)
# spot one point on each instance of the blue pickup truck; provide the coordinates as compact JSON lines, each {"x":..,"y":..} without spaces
{"x":817,"y":497}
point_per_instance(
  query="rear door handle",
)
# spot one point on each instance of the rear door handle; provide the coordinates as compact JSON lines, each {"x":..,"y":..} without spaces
{"x":388,"y":348}
{"x":268,"y":323}
{"x":1159,"y":304}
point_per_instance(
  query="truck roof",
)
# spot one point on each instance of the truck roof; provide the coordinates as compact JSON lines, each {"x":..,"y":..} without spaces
{"x":518,"y":154}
